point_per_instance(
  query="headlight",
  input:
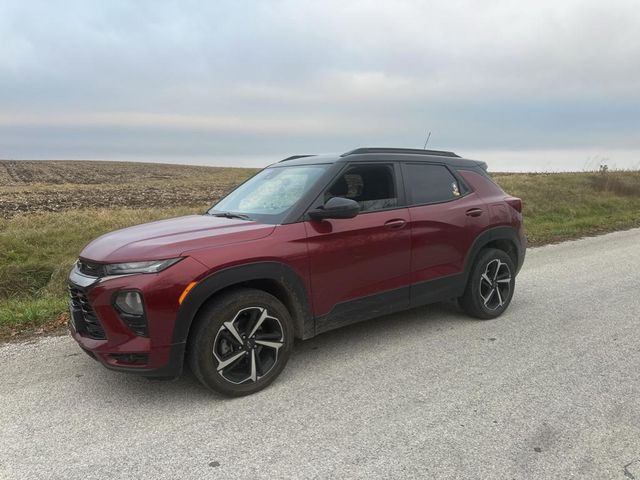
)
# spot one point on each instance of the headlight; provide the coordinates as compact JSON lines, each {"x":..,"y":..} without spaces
{"x":153,"y":266}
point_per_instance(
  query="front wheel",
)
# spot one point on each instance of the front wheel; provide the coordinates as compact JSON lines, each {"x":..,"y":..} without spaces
{"x":241,"y":342}
{"x":490,"y":285}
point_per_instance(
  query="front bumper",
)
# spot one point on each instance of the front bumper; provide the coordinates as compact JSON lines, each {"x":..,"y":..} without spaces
{"x":159,"y":361}
{"x":118,"y":347}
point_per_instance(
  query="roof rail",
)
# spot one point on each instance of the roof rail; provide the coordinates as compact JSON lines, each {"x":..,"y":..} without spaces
{"x":410,"y":151}
{"x":294,"y":157}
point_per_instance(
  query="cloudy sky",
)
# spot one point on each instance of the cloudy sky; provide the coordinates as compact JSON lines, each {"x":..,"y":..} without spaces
{"x":244,"y":82}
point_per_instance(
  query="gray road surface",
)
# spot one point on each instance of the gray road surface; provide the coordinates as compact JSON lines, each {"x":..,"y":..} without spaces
{"x":549,"y":390}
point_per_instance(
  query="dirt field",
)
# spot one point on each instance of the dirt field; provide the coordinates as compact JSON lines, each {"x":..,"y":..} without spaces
{"x":49,"y":210}
{"x":51,"y":186}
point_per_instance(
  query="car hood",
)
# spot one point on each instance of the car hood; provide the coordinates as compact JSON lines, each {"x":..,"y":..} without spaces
{"x":171,"y":238}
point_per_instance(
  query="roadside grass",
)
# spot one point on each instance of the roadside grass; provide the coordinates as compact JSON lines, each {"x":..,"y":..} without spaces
{"x":562,"y":206}
{"x":38,"y":249}
{"x":37,"y":252}
{"x":31,"y":312}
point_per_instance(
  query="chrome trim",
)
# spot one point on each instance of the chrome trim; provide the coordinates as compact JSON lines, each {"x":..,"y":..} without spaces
{"x":111,"y":277}
{"x":85,"y":281}
{"x":81,"y":280}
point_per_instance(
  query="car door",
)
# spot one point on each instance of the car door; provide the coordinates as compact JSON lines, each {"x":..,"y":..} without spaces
{"x":360,"y":267}
{"x":445,"y":218}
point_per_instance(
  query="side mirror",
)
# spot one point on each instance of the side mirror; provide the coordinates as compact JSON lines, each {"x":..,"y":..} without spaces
{"x":336,"y":207}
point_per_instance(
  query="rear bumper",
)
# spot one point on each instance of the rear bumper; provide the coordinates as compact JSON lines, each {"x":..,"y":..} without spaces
{"x":522,"y":251}
{"x":521,"y":256}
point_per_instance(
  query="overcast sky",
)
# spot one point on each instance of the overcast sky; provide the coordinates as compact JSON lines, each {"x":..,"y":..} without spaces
{"x":251,"y":80}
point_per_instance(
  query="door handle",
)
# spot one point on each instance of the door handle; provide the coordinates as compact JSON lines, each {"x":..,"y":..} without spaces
{"x":395,"y":224}
{"x":474,"y":212}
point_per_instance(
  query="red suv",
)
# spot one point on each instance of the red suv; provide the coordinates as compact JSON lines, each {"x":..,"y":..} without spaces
{"x":307,"y":245}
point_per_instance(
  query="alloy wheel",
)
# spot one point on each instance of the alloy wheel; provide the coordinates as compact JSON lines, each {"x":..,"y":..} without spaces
{"x":246,"y":347}
{"x":495,"y":284}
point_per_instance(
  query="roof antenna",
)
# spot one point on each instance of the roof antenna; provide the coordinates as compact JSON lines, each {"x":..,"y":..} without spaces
{"x":425,"y":143}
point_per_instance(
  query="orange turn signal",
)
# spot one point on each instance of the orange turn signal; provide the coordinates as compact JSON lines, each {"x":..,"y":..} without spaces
{"x":186,"y":291}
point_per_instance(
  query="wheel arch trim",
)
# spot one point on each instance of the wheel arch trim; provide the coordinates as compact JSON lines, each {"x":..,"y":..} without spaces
{"x":279,"y":273}
{"x":491,"y":235}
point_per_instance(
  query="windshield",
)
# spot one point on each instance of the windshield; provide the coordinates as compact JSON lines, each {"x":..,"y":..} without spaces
{"x":270,"y":194}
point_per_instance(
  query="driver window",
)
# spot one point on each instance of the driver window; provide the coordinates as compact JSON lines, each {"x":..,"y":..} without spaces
{"x":372,"y":186}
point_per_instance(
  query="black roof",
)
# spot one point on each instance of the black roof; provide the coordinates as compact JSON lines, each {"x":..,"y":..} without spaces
{"x":370,"y":154}
{"x":405,"y":151}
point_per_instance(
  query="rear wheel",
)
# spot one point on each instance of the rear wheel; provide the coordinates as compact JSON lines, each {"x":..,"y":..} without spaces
{"x":241,"y":342}
{"x":490,"y":286}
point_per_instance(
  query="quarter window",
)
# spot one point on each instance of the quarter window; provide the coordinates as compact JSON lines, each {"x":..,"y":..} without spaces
{"x":430,"y":183}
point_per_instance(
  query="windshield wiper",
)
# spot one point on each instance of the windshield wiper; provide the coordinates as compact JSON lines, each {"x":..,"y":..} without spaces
{"x":241,"y":216}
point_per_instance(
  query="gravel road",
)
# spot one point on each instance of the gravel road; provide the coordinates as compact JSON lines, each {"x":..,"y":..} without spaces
{"x":549,"y":390}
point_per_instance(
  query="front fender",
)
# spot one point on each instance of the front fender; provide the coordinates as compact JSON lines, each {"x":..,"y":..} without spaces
{"x":284,"y":275}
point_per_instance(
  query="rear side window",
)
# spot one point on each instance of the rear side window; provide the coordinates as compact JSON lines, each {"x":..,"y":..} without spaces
{"x":430,"y":183}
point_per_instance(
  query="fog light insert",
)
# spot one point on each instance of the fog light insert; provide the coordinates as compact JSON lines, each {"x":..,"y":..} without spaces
{"x":130,"y":303}
{"x":131,"y":310}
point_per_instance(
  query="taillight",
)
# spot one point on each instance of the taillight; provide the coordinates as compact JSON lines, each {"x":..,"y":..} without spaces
{"x":515,"y":202}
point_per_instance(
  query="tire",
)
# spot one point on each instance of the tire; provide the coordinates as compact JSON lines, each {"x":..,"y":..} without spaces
{"x":490,"y":285}
{"x":247,"y":330}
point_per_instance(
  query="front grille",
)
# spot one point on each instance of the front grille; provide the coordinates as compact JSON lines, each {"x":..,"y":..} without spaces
{"x":91,"y":269}
{"x":84,"y":318}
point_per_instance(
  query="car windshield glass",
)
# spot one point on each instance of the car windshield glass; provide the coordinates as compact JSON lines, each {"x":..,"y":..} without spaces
{"x":271,"y":193}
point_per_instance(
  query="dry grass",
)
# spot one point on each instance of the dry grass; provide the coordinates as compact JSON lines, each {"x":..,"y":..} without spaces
{"x":50,"y":210}
{"x":38,"y":250}
{"x":561,"y":206}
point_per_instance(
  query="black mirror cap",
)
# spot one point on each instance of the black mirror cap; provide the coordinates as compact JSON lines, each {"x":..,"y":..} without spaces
{"x":336,"y":207}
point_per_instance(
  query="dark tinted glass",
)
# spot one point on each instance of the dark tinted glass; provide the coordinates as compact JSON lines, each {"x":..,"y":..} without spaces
{"x":430,"y":183}
{"x":372,"y":186}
